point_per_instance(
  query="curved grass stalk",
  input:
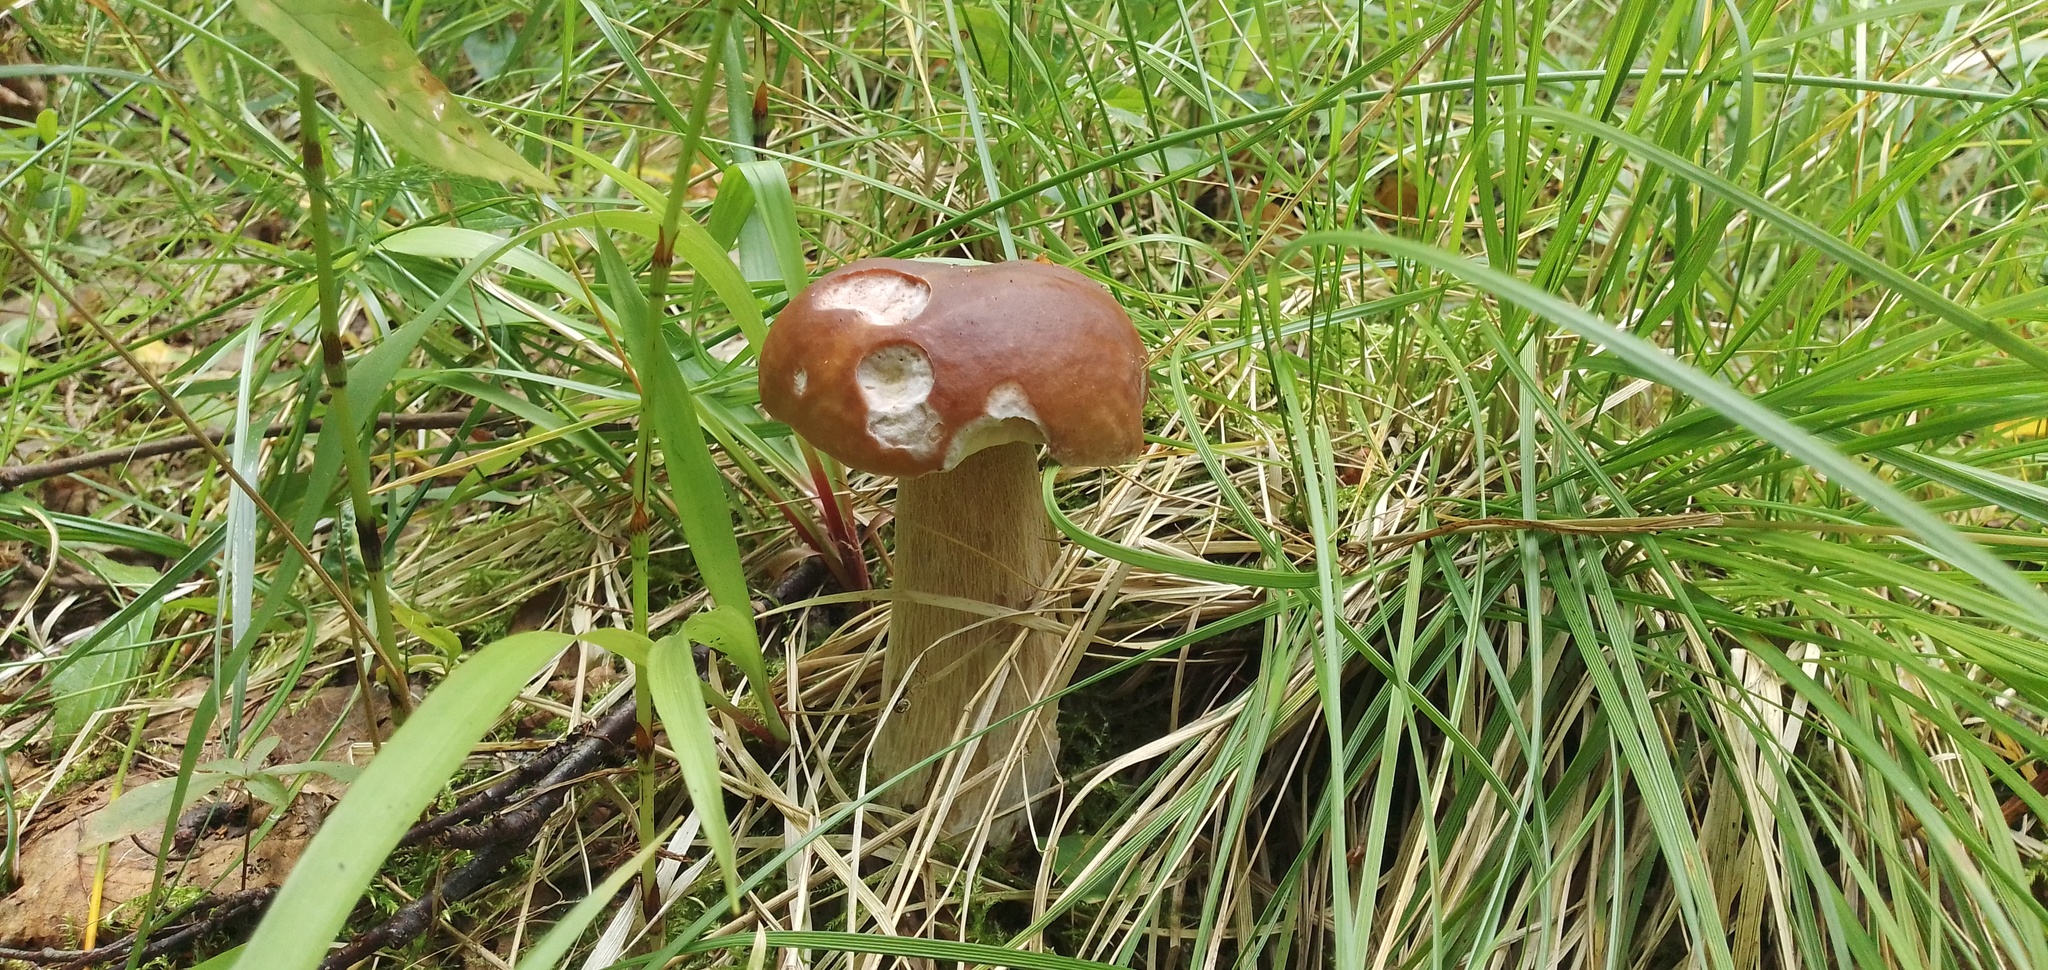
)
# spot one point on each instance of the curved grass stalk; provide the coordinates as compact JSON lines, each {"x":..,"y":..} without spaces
{"x":334,"y":364}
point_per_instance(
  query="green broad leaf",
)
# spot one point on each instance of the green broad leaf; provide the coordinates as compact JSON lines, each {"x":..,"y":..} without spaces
{"x":679,"y":699}
{"x":145,"y":807}
{"x":990,"y":32}
{"x":349,"y":45}
{"x":632,"y":646}
{"x":268,"y":790}
{"x":338,"y":770}
{"x":123,"y":575}
{"x":251,"y":762}
{"x":1179,"y":159}
{"x":488,"y":50}
{"x":398,"y":784}
{"x":421,"y":625}
{"x":148,"y":806}
{"x":1070,"y":859}
{"x":99,"y":679}
{"x":1126,"y":104}
{"x":723,"y":629}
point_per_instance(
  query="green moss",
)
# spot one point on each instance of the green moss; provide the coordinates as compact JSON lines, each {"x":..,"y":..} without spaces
{"x":126,"y":917}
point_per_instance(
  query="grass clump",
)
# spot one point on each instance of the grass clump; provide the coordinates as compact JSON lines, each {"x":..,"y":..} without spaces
{"x":1590,"y":514}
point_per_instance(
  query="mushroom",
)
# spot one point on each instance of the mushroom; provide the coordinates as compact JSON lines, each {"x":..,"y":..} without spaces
{"x":949,"y":377}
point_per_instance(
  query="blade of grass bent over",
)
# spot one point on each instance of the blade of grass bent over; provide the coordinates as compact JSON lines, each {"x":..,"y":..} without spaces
{"x":1767,"y":424}
{"x":398,"y":784}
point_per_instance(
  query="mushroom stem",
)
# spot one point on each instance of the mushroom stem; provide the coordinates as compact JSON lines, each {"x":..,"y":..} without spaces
{"x":978,"y":532}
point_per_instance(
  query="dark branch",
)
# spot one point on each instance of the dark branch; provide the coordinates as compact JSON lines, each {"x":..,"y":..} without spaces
{"x":208,"y":916}
{"x":544,"y":773}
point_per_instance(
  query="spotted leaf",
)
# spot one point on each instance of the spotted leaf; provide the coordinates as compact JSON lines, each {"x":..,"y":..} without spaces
{"x":349,"y":45}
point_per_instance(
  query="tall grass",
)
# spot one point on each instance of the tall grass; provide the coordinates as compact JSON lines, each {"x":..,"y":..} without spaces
{"x":1592,"y":514}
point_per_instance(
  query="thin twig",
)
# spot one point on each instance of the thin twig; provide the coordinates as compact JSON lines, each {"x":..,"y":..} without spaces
{"x":170,"y":403}
{"x":415,"y":917}
{"x":23,"y":474}
{"x":212,"y":914}
{"x":509,"y":835}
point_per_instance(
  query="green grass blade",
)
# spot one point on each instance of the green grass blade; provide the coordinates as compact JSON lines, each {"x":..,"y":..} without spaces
{"x":1173,"y":565}
{"x":1969,"y":321}
{"x":1766,"y":423}
{"x":548,"y":951}
{"x":397,"y":786}
{"x":679,"y":697}
{"x":772,"y":218}
{"x":699,"y":491}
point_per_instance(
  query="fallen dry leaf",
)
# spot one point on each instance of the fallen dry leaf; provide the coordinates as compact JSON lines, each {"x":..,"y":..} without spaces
{"x":49,"y":904}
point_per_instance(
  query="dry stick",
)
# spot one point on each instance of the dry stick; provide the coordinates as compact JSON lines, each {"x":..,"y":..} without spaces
{"x":220,"y":458}
{"x":213,"y":914}
{"x":549,"y":768}
{"x":546,"y":775}
{"x":510,"y":833}
{"x":415,"y":917}
{"x":20,"y":475}
{"x":498,"y":841}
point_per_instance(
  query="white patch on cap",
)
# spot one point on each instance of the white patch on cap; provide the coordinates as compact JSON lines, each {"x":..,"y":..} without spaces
{"x":885,"y":297}
{"x":1007,"y":401}
{"x":895,"y":381}
{"x":798,"y":381}
{"x":1006,"y":417}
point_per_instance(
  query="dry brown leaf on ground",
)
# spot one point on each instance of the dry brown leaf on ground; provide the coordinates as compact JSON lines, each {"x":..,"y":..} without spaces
{"x":52,"y":895}
{"x":50,"y":901}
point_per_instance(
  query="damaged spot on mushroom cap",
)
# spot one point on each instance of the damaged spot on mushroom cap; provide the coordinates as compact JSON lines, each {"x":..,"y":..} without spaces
{"x":895,"y":382}
{"x":884,"y":297}
{"x":799,"y":381}
{"x":1006,"y":417}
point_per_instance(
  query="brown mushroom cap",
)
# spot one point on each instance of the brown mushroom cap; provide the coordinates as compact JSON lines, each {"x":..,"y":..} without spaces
{"x":903,"y":368}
